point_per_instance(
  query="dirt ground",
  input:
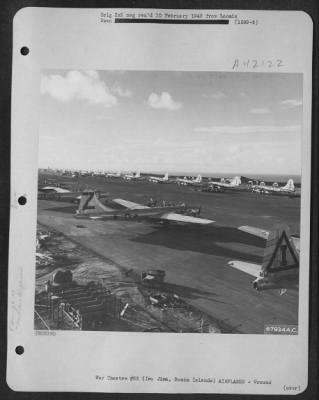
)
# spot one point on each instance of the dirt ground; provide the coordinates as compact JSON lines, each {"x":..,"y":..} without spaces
{"x":56,"y":252}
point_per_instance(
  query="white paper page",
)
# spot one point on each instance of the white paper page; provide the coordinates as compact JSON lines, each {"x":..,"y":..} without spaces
{"x":197,"y":121}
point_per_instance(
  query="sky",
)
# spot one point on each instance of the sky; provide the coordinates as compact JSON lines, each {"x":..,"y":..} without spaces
{"x":167,"y":121}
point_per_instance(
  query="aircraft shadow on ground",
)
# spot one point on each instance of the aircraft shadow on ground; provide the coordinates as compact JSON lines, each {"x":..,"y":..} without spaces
{"x":67,"y":209}
{"x":208,"y":240}
{"x":189,"y":292}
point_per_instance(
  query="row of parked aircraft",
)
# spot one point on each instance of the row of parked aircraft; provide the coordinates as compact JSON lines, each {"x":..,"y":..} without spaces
{"x":224,"y":185}
{"x":274,"y":188}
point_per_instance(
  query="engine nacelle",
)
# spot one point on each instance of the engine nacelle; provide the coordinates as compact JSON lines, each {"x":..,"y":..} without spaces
{"x":261,"y":283}
{"x":265,"y":282}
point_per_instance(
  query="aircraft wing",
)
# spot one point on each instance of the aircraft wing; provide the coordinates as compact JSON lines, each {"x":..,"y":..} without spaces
{"x":254,"y":231}
{"x":129,"y":204}
{"x":168,"y":216}
{"x":184,"y":218}
{"x":54,"y":189}
{"x":248,"y":268}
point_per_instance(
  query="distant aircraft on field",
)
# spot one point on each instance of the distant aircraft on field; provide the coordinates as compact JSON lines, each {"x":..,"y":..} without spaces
{"x":222,"y":186}
{"x":58,"y":193}
{"x":275,"y":188}
{"x":98,"y":173}
{"x":188,"y":182}
{"x":155,"y":179}
{"x":133,"y":177}
{"x":112,"y":175}
{"x":280,"y":263}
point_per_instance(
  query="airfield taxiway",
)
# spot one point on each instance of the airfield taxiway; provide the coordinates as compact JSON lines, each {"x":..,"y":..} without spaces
{"x":194,"y":258}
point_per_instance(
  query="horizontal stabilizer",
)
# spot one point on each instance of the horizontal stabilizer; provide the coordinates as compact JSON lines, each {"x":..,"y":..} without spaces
{"x":254,"y":231}
{"x":248,"y":268}
{"x":55,"y":189}
{"x":296,"y":242}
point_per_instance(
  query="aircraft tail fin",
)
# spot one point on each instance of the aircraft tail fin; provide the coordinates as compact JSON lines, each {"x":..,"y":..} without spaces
{"x":198,"y":179}
{"x":84,"y":202}
{"x":236,"y":181}
{"x":138,"y":174}
{"x":289,"y":185}
{"x":165,"y":178}
{"x":280,"y":252}
{"x":90,"y":203}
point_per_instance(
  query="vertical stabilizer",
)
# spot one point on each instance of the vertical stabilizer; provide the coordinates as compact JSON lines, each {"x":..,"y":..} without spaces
{"x":165,"y":178}
{"x":280,"y":253}
{"x":84,"y":201}
{"x":289,"y":185}
{"x":198,"y":179}
{"x":90,"y":203}
{"x":236,"y":181}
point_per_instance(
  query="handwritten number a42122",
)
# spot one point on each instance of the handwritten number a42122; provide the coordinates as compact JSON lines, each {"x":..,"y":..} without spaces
{"x":257,"y":63}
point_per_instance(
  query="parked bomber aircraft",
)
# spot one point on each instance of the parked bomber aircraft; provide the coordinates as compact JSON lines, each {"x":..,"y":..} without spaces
{"x":58,"y":193}
{"x":275,"y":188}
{"x":222,"y":186}
{"x":91,"y":207}
{"x":188,"y":182}
{"x":133,"y":177}
{"x":112,"y":175}
{"x":156,"y":179}
{"x":280,"y":263}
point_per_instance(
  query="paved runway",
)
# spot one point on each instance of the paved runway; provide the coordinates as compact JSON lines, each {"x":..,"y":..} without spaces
{"x":195,"y":258}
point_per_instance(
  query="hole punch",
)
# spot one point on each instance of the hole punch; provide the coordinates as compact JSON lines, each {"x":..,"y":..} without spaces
{"x":19,"y":350}
{"x":24,"y":50}
{"x":22,"y":200}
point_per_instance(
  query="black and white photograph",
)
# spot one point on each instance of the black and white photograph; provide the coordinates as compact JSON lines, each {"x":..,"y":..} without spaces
{"x":169,"y":201}
{"x":160,"y":201}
